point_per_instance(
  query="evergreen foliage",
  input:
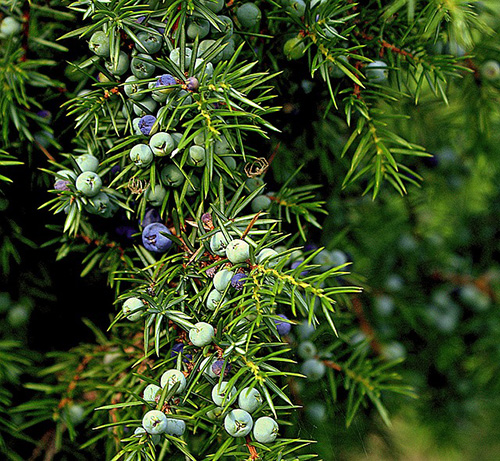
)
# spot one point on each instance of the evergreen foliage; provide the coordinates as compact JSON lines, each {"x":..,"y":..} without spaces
{"x":195,"y":154}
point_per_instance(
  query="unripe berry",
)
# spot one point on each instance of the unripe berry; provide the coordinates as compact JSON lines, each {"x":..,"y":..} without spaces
{"x":249,"y":399}
{"x":130,"y":308}
{"x":294,"y":48}
{"x":267,"y":256}
{"x":120,"y":66}
{"x":154,"y":422}
{"x":314,"y":369}
{"x":218,"y":244}
{"x":202,"y":334}
{"x":151,"y":392}
{"x":238,"y":251}
{"x":260,"y":203}
{"x":377,"y":71}
{"x":172,"y":176}
{"x":142,"y":66}
{"x":215,"y":300}
{"x":131,"y":88}
{"x":141,"y":155}
{"x":238,"y":423}
{"x":222,"y":279}
{"x":170,"y":378}
{"x":249,"y":15}
{"x":89,"y":183}
{"x":307,"y":350}
{"x":265,"y":430}
{"x":222,"y":394}
{"x":156,"y":195}
{"x":161,"y":144}
{"x":175,"y":427}
{"x":151,"y":42}
{"x":197,"y":156}
{"x":99,"y":44}
{"x":87,"y":162}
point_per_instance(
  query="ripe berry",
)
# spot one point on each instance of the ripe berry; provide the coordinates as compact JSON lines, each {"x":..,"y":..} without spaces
{"x":202,"y":334}
{"x":154,"y":422}
{"x":249,"y":399}
{"x":283,"y":327}
{"x":238,"y":251}
{"x":192,"y":83}
{"x":147,"y":125}
{"x":238,"y":423}
{"x":153,"y":238}
{"x":170,"y":378}
{"x":238,"y":281}
{"x":218,"y":365}
{"x":165,"y":83}
{"x":265,"y":430}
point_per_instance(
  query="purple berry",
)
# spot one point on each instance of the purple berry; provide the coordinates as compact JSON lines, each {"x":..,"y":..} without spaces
{"x":153,"y":238}
{"x":115,"y":170}
{"x":127,"y":232}
{"x":296,"y":264}
{"x":177,"y":349}
{"x":211,"y":272}
{"x":140,"y":19}
{"x":238,"y":281}
{"x":165,"y":80}
{"x":192,"y":84}
{"x":283,"y":327}
{"x":61,"y":184}
{"x":206,"y":218}
{"x":152,"y":215}
{"x":218,"y":365}
{"x":45,"y":114}
{"x":146,"y":124}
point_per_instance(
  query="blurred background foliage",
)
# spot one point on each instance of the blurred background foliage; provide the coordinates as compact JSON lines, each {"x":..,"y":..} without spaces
{"x":428,"y":262}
